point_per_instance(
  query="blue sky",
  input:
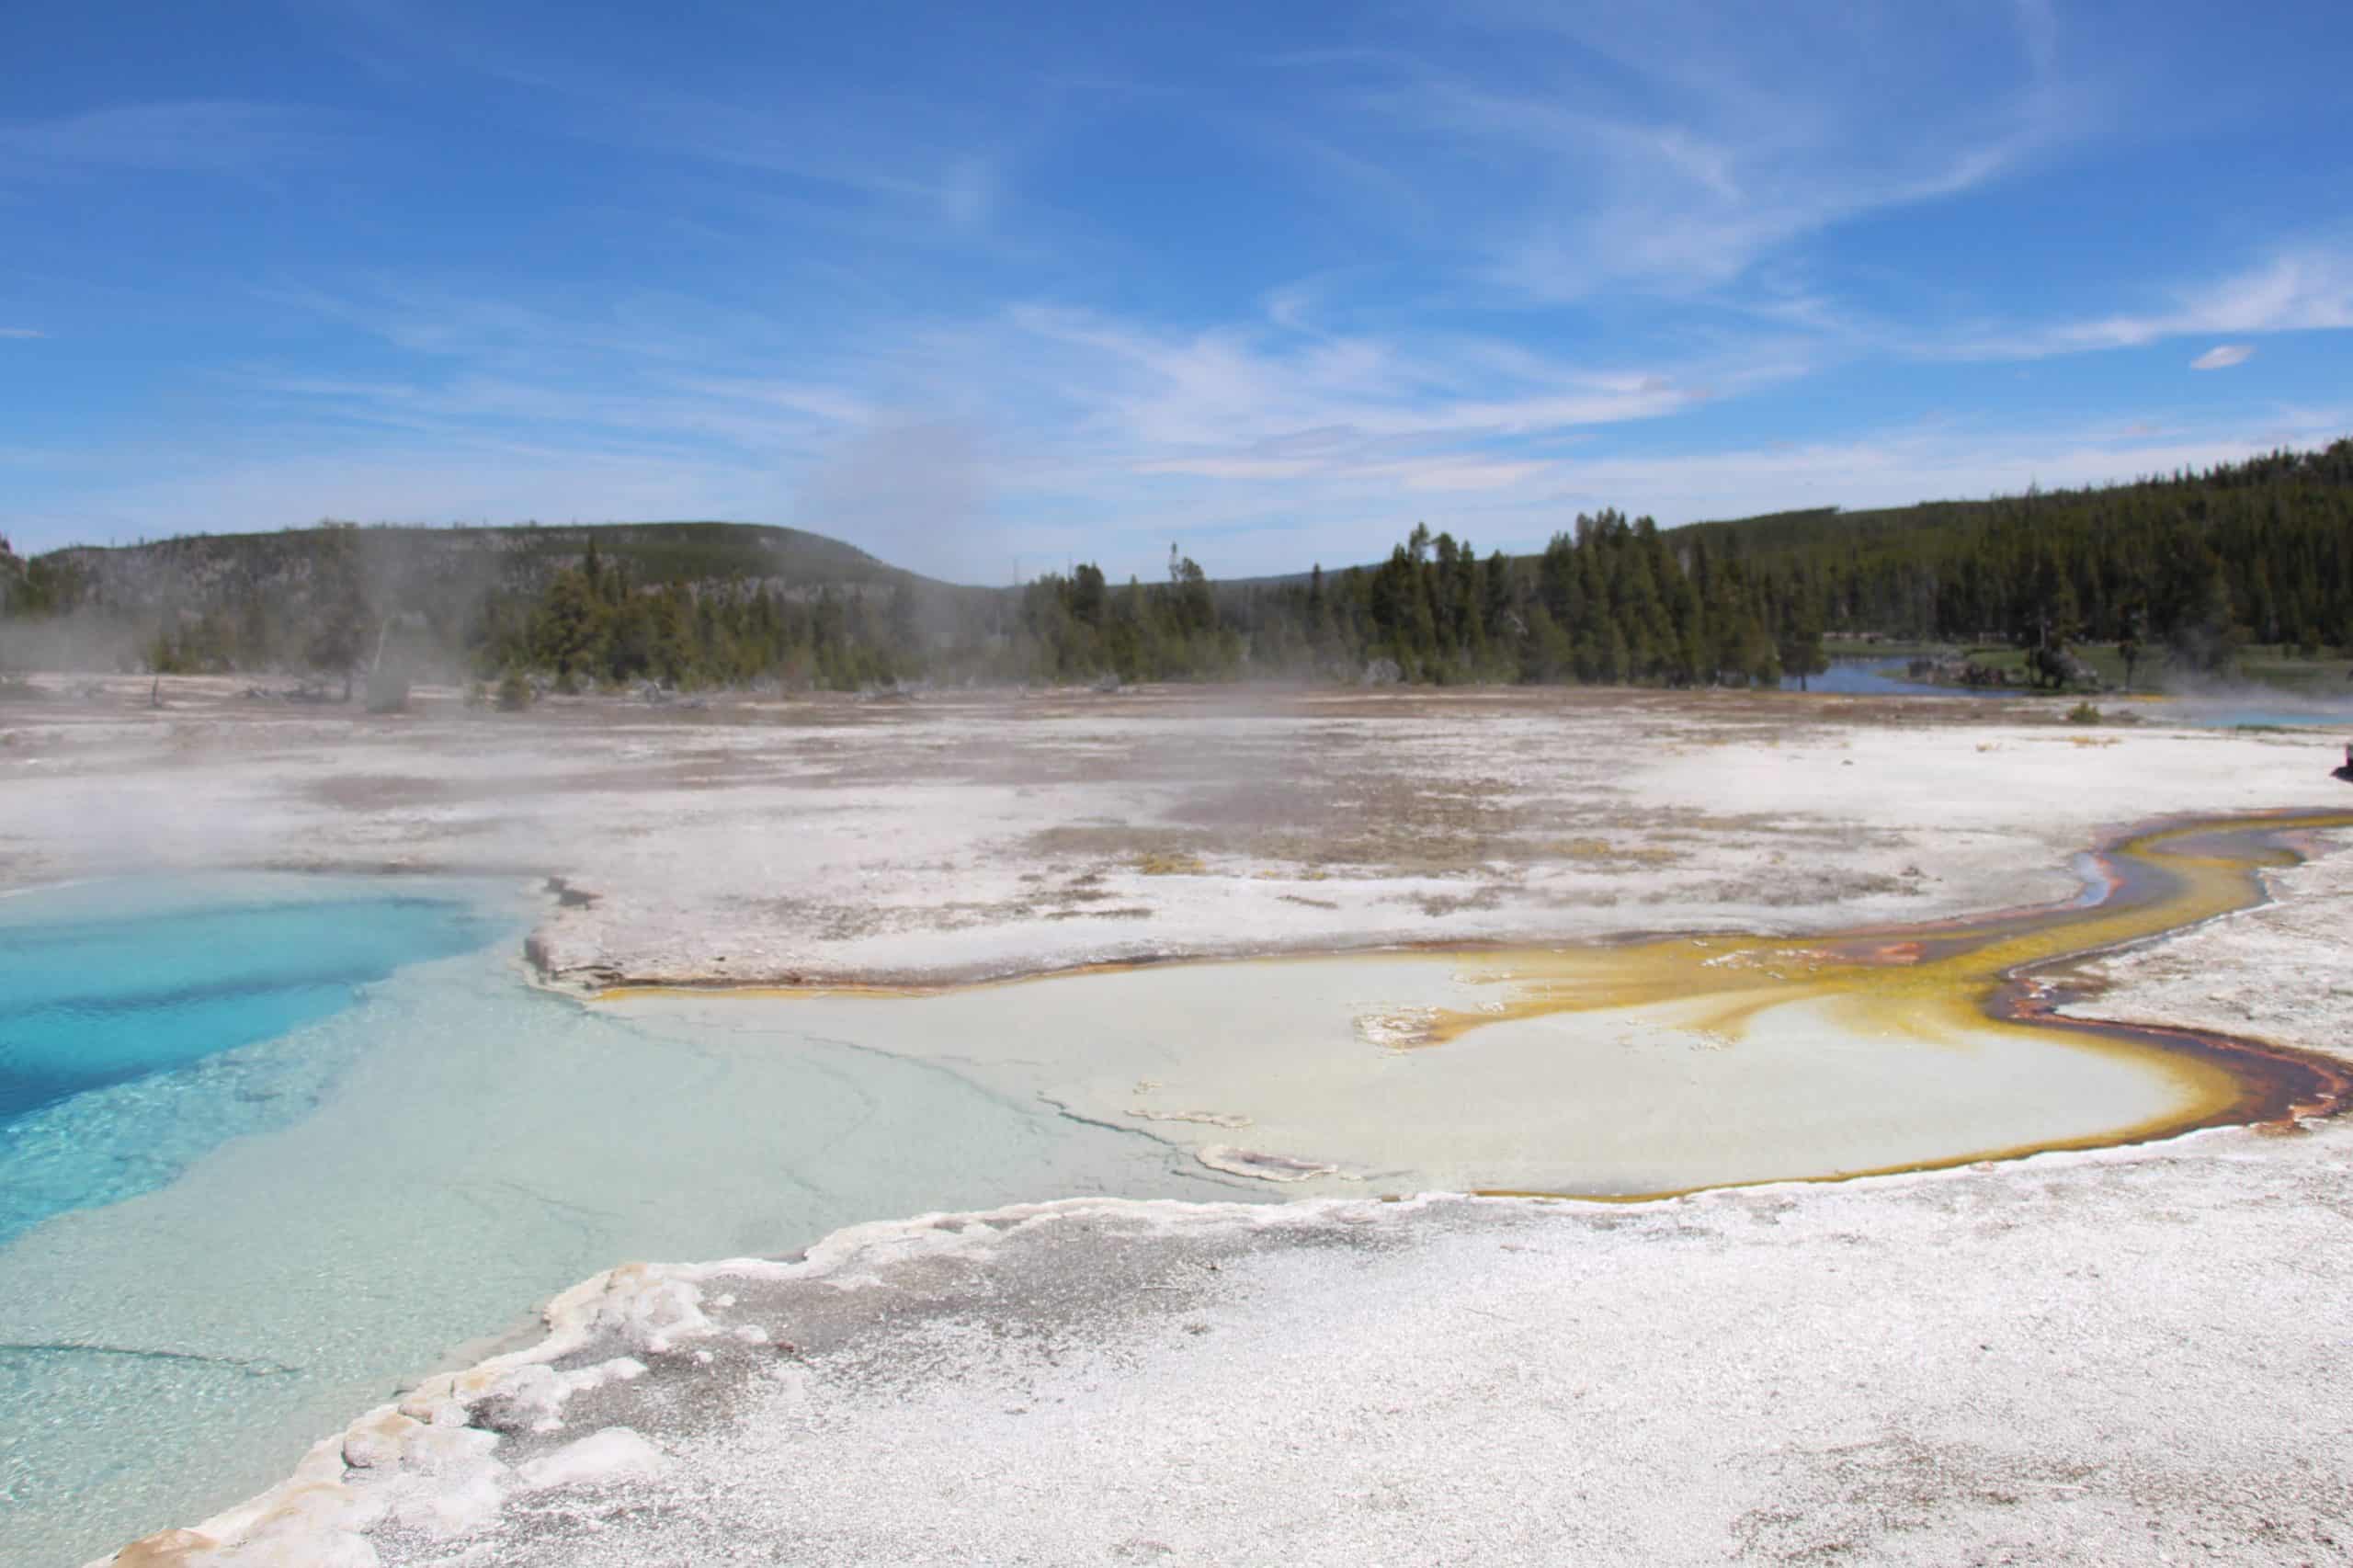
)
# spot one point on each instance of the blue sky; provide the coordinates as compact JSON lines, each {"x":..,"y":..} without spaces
{"x":985,"y":287}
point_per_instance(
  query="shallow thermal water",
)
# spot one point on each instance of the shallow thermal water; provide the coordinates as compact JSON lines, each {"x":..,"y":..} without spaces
{"x":1284,"y":1061}
{"x":2276,"y":711}
{"x":1873,"y":676}
{"x":1861,"y":676}
{"x":244,"y":1250}
{"x":137,"y":1023}
{"x":429,"y":1147}
{"x":1607,"y":1072}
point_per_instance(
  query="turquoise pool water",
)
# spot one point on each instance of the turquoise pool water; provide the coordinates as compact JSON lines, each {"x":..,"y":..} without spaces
{"x":125,"y":1012}
{"x":282,"y":1144}
{"x":1881,"y":678}
{"x":2246,"y":709}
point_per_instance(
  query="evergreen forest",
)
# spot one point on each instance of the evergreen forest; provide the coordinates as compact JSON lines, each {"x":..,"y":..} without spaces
{"x":2184,"y":569}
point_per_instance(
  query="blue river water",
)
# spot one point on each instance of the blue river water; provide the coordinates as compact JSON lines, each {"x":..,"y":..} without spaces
{"x":140,"y":1027}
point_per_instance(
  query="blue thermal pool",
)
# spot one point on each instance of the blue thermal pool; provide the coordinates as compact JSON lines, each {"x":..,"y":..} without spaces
{"x":1853,"y":675}
{"x":274,"y":1146}
{"x":125,"y":1012}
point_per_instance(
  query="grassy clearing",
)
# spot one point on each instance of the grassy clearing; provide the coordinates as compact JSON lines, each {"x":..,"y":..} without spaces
{"x":1886,"y":648}
{"x":2280,"y":666}
{"x":2271,"y":665}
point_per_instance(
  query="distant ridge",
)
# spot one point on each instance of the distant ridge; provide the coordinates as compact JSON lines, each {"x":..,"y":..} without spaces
{"x":1802,"y":532}
{"x":195,"y":568}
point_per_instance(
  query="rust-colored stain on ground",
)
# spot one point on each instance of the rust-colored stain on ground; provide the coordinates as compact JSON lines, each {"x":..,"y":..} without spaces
{"x":1931,"y":984}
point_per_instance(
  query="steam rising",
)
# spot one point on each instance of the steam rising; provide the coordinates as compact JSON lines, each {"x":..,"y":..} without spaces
{"x":914,"y":494}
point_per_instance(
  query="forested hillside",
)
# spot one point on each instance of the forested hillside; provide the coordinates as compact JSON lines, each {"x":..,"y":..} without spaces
{"x":448,"y":600}
{"x":2184,"y":569}
{"x":2188,"y":568}
{"x":2260,"y":550}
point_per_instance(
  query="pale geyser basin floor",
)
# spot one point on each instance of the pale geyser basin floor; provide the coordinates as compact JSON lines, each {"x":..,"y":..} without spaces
{"x":1614,"y":1071}
{"x":1283,"y":1065}
{"x":502,"y":1143}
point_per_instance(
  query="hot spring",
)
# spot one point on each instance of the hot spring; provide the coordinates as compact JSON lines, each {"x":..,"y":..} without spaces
{"x":274,"y":1146}
{"x":278,"y":1145}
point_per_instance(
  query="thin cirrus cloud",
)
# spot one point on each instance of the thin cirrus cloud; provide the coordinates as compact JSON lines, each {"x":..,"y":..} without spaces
{"x":1269,"y":279}
{"x":839,"y":145}
{"x":192,"y":136}
{"x":1676,"y":169}
{"x":1273,"y":439}
{"x":1040,"y":407}
{"x":883,"y":485}
{"x":1230,"y":387}
{"x":1900,"y":464}
{"x":2307,"y":288}
{"x":819,"y":135}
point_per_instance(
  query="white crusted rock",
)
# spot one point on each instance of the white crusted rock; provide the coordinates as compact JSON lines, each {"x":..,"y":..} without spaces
{"x":617,"y":1453}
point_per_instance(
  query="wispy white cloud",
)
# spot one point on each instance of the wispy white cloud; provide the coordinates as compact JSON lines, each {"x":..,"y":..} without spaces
{"x":2222,"y":356}
{"x":2039,"y":35}
{"x":1293,"y":515}
{"x":1599,"y":156}
{"x":963,"y":497}
{"x":818,"y":136}
{"x":2296,"y":291}
{"x":1332,"y":172}
{"x":1952,"y":459}
{"x":1223,"y":392}
{"x":1248,"y":432}
{"x":1553,"y":251}
{"x":1273,"y":528}
{"x":1040,"y":406}
{"x":194,"y":136}
{"x":21,"y":332}
{"x":428,"y":481}
{"x":2302,"y":290}
{"x":870,"y":149}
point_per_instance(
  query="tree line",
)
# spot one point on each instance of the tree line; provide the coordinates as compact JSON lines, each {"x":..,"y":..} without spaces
{"x":2196,"y":564}
{"x":2193,"y":565}
{"x":1610,"y":602}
